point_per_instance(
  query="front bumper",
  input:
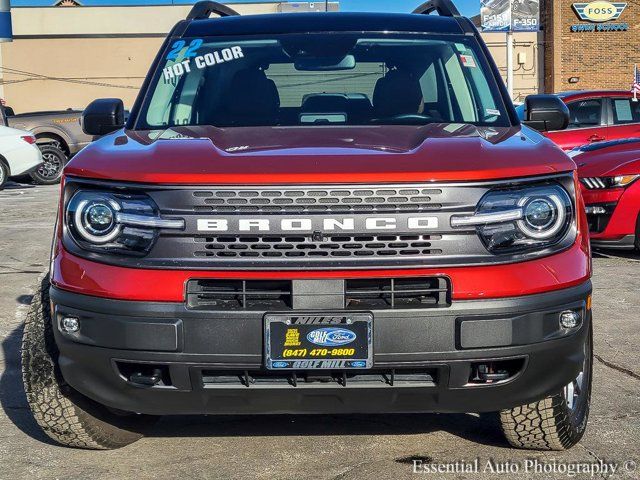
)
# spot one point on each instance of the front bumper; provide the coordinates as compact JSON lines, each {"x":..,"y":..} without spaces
{"x":23,"y":159}
{"x":617,"y":222}
{"x":424,"y":360}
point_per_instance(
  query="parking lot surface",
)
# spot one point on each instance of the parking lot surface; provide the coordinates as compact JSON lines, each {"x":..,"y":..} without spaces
{"x":310,"y":447}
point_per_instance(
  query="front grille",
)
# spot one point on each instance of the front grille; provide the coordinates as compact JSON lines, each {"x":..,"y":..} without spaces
{"x":357,"y":294}
{"x":396,"y":293}
{"x":316,"y":200}
{"x":270,"y":246}
{"x":317,"y":227}
{"x":267,"y":295}
{"x":426,"y":377}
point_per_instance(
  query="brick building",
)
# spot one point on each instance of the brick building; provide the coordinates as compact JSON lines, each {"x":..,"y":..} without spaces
{"x":590,"y":45}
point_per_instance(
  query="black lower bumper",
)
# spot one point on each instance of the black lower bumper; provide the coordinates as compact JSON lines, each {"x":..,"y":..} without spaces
{"x":425,"y":360}
{"x":625,"y":243}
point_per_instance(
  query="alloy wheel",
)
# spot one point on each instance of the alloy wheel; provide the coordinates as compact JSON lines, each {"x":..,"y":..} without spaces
{"x":51,"y":166}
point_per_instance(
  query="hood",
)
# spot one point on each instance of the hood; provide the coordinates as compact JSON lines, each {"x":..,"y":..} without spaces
{"x":330,"y":154}
{"x":619,"y":159}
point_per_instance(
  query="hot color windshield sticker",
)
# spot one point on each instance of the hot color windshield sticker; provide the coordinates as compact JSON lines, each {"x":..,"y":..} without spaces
{"x":193,"y":60}
{"x":178,"y":45}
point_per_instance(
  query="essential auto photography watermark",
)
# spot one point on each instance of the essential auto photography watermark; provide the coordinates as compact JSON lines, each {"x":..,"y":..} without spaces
{"x":600,"y":468}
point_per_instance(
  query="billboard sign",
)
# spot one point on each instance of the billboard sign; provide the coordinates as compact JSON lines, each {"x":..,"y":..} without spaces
{"x":510,"y":15}
{"x":495,"y":15}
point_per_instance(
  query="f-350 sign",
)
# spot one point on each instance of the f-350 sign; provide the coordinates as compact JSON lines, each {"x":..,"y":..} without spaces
{"x":510,"y":15}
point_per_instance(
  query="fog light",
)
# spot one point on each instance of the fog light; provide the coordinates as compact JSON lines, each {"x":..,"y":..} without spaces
{"x":70,"y":324}
{"x":595,"y":210}
{"x":570,"y":319}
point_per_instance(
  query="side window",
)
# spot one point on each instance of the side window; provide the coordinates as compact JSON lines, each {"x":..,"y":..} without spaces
{"x":585,"y":113}
{"x":625,"y":111}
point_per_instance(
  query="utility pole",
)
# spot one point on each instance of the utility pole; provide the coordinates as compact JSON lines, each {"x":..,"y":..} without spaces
{"x":6,"y":35}
{"x":510,"y":63}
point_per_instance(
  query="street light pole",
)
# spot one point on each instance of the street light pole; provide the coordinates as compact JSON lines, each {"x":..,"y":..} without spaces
{"x":510,"y":63}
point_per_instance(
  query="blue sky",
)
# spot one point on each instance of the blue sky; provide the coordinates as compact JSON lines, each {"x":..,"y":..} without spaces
{"x":466,"y":7}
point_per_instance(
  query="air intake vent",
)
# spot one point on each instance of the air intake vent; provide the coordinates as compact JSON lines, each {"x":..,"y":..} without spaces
{"x":426,"y":377}
{"x":595,"y":183}
{"x":333,"y":246}
{"x":239,"y":295}
{"x":232,"y":201}
{"x":385,"y":293}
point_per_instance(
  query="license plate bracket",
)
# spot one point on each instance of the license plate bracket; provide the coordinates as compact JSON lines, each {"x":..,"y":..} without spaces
{"x":311,"y":341}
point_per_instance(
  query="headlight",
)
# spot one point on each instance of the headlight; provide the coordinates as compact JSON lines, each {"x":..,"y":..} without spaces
{"x":95,"y":220}
{"x":520,"y":219}
{"x":105,"y":221}
{"x":595,"y":183}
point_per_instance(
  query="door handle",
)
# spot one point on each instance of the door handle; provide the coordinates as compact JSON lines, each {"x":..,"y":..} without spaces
{"x":595,"y":138}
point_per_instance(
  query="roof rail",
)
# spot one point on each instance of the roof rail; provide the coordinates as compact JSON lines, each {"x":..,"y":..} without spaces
{"x":204,"y":9}
{"x":445,"y":8}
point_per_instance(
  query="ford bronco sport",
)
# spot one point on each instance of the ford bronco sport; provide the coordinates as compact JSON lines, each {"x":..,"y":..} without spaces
{"x":316,"y":213}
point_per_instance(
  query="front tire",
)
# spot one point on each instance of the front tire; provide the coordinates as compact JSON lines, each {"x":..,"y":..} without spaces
{"x":50,"y":171}
{"x":557,"y":422}
{"x":64,"y":414}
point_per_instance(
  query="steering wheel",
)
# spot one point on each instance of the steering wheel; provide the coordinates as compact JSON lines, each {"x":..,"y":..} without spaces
{"x":405,"y":119}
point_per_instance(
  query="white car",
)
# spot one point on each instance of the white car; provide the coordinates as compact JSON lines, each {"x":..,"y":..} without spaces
{"x":18,"y":153}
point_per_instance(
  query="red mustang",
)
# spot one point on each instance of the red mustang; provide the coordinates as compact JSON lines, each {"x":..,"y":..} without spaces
{"x":609,"y":173}
{"x":596,"y":116}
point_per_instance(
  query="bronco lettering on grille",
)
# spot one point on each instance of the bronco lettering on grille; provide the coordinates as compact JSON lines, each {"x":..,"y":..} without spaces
{"x":309,"y":224}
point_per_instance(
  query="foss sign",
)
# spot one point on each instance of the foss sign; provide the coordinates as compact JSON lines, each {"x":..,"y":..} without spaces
{"x":599,"y":11}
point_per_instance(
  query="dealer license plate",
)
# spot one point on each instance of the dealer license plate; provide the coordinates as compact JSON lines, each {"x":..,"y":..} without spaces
{"x":311,"y":341}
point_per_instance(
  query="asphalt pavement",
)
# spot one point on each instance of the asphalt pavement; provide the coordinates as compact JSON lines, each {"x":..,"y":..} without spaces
{"x":470,"y":446}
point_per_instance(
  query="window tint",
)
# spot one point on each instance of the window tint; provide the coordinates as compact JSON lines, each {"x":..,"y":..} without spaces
{"x":625,"y":111}
{"x":585,"y":113}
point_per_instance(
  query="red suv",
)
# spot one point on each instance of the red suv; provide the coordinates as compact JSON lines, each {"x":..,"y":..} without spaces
{"x":608,"y":174}
{"x":316,"y":213}
{"x":596,"y":116}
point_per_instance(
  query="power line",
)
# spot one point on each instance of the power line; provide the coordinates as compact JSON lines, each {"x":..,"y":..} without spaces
{"x":36,"y":76}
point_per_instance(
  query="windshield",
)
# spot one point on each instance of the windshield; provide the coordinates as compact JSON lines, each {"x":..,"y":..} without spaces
{"x":322,"y":79}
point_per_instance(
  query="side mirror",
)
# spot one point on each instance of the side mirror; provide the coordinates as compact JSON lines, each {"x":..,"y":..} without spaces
{"x":103,"y":116}
{"x":545,"y":113}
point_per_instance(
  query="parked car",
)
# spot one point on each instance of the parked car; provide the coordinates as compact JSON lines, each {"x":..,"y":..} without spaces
{"x":59,"y":135}
{"x":252,"y":243}
{"x":596,"y":116}
{"x":18,"y":153}
{"x":609,"y":173}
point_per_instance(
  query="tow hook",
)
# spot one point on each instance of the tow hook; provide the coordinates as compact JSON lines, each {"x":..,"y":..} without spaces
{"x":149,"y":380}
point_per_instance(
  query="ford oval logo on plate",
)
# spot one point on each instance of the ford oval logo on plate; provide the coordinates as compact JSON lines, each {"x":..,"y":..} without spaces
{"x":331,"y":337}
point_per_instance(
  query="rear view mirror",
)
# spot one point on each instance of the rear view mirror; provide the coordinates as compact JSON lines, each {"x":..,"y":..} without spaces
{"x":103,"y":116}
{"x":324,"y":64}
{"x":545,"y":113}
